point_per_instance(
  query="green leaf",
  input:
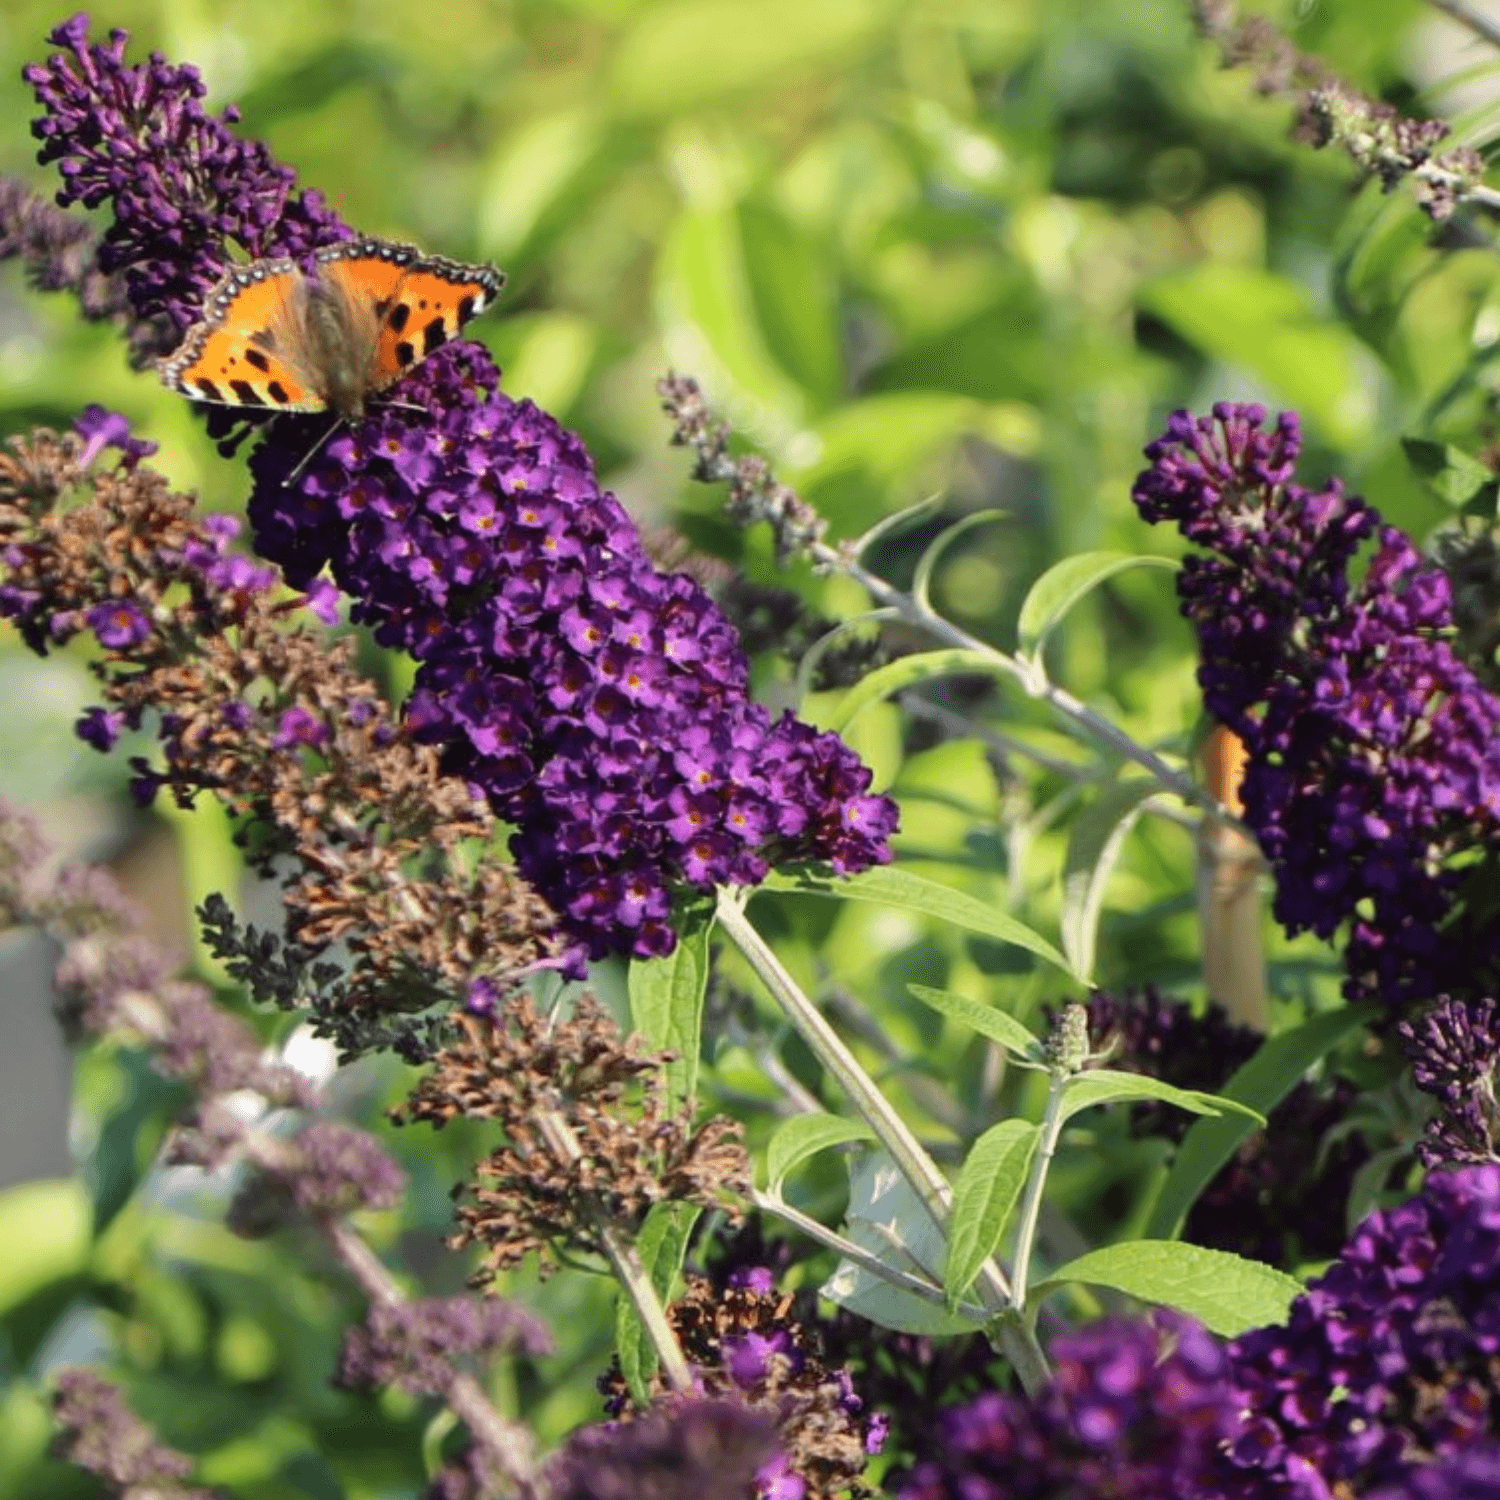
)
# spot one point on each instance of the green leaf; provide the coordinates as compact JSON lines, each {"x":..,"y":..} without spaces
{"x":1227,"y":1293}
{"x":1455,"y":477}
{"x":795,"y":297}
{"x":666,"y":1000}
{"x":915,"y":893}
{"x":985,"y":1019}
{"x":48,"y":1237}
{"x":703,"y":295}
{"x":909,"y":671}
{"x":805,"y":1135}
{"x":921,"y":583}
{"x":1106,"y":1086}
{"x":983,"y":1200}
{"x":1261,"y":1083}
{"x":887,"y":1219}
{"x":1265,"y":322}
{"x":1064,"y":584}
{"x":676,"y":57}
{"x":661,"y":1245}
{"x":1095,"y":840}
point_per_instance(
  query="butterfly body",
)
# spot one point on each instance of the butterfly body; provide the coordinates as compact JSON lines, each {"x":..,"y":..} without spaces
{"x":275,"y":337}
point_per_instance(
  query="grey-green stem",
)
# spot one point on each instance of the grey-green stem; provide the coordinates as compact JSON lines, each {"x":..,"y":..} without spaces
{"x":932,"y":1189}
{"x":625,"y":1263}
{"x":1031,"y":1207}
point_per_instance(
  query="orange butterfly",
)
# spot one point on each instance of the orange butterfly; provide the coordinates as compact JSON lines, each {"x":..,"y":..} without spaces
{"x":273,"y":337}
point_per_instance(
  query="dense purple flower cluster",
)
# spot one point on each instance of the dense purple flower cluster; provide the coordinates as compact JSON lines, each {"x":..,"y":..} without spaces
{"x":1133,"y":1410}
{"x":1455,"y":1056}
{"x":1282,"y":1198}
{"x":689,"y":1449}
{"x":601,"y":706}
{"x":181,"y":185}
{"x":1374,"y":751}
{"x":1388,"y":1363}
{"x":413,"y":1345}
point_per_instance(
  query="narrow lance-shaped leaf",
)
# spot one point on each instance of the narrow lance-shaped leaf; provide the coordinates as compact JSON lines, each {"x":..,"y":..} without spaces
{"x":983,"y":1200}
{"x":661,"y":1246}
{"x":1261,"y":1084}
{"x":666,"y":1001}
{"x":804,"y":1136}
{"x":1064,"y":584}
{"x":914,"y":893}
{"x":1097,"y":836}
{"x":985,"y":1019}
{"x":1224,"y":1292}
{"x":1107,"y":1086}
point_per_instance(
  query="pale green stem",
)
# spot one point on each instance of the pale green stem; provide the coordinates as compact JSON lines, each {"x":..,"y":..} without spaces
{"x":831,"y":1239}
{"x":1032,"y":678}
{"x":1018,"y":1343}
{"x":625,"y":1263}
{"x":1031,"y":1208}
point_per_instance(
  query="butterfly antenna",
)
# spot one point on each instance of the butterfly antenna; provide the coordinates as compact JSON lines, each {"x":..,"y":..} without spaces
{"x":311,"y":454}
{"x":404,"y":406}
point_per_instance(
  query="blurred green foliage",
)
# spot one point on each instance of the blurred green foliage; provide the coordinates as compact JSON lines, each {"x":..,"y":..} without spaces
{"x":977,"y":248}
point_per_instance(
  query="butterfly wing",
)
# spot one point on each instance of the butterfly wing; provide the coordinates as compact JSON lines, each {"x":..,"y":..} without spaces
{"x":421,"y":301}
{"x":243,"y":351}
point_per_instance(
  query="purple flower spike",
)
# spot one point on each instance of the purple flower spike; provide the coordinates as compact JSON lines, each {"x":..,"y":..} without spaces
{"x":1133,"y":1409}
{"x":1374,"y":751}
{"x":602,"y":706}
{"x":181,"y":184}
{"x":1387,"y":1365}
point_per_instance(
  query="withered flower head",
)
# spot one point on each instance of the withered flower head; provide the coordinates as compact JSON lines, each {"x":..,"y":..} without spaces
{"x":102,"y":1436}
{"x":689,"y":1449}
{"x":256,"y":705}
{"x":590,"y":1145}
{"x":745,"y":1346}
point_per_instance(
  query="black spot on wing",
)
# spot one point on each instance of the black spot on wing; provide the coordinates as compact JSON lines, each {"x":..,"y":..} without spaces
{"x":400,"y":314}
{"x":209,"y":389}
{"x":382,"y":307}
{"x":434,"y":335}
{"x":405,"y":354}
{"x":247,"y":394}
{"x":277,"y":392}
{"x":258,"y":360}
{"x":465,"y":309}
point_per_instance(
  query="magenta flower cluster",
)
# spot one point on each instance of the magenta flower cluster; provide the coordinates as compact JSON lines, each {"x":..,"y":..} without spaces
{"x":182,"y":186}
{"x":1134,"y":1409}
{"x":600,"y":705}
{"x":1383,"y":1383}
{"x":1374,"y":750}
{"x":1388,"y":1363}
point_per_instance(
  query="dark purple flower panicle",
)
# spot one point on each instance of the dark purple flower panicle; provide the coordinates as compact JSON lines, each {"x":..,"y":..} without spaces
{"x":1374,"y":751}
{"x":181,"y":185}
{"x":602,"y":706}
{"x":1455,"y":1056}
{"x":1389,"y":1361}
{"x":689,"y":1449}
{"x":1134,"y":1409}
